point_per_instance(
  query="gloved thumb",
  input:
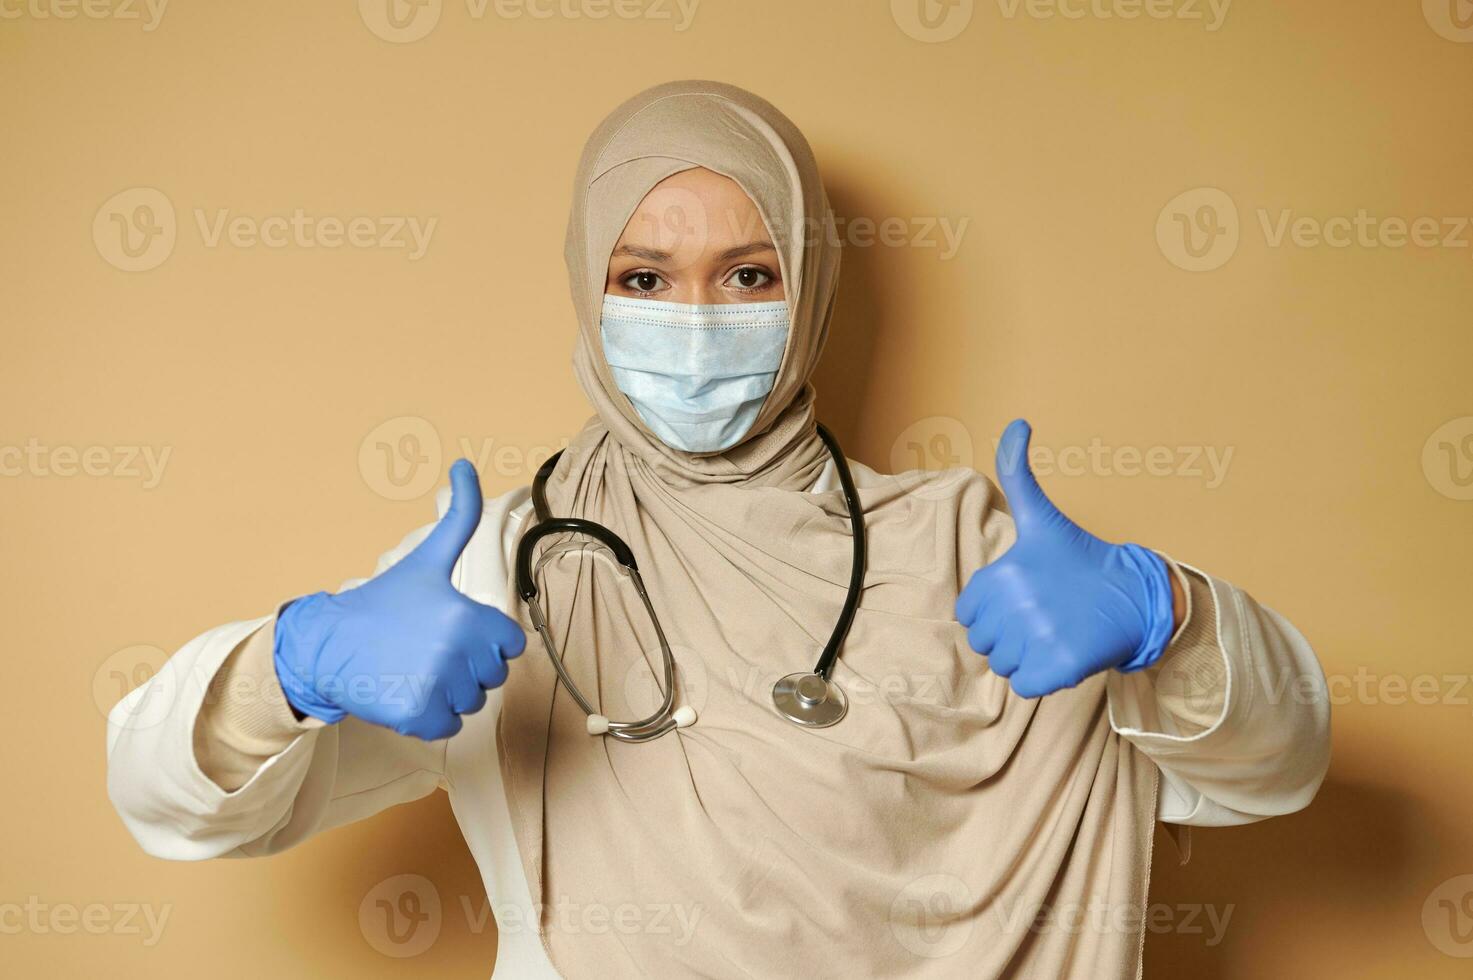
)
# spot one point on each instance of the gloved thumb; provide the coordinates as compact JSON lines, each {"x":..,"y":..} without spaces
{"x":442,"y":548}
{"x":1030,"y":506}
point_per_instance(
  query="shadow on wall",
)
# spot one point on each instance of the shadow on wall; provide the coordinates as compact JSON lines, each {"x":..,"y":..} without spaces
{"x":881,"y":372}
{"x":844,"y":379}
{"x":404,"y":894}
{"x":1251,"y":897}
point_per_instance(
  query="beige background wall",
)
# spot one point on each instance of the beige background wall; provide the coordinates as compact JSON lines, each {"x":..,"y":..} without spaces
{"x":1336,"y":376}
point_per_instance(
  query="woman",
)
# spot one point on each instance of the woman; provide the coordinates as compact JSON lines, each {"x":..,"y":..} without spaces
{"x":1006,"y":804}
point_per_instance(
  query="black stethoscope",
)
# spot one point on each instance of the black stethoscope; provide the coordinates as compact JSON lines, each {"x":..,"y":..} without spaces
{"x":808,"y":698}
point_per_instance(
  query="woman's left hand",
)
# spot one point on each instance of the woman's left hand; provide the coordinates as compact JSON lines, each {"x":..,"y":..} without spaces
{"x":1062,"y":604}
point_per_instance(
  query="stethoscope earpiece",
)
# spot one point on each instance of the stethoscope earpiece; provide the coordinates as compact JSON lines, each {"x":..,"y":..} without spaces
{"x":683,"y":716}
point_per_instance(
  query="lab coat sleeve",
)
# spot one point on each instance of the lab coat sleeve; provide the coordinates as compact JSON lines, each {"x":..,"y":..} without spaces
{"x":322,"y":775}
{"x":1235,"y":713}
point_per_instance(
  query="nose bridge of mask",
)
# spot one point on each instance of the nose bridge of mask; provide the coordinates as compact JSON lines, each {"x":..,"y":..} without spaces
{"x":679,"y":338}
{"x":696,"y":374}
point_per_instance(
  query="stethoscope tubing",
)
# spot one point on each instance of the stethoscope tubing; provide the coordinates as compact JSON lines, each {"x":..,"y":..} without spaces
{"x":662,"y":720}
{"x":825,"y":666}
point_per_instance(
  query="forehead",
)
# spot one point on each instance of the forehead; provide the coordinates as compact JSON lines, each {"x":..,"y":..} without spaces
{"x":695,"y":208}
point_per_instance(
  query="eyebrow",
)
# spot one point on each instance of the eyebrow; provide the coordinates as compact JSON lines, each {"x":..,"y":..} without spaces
{"x":660,"y":255}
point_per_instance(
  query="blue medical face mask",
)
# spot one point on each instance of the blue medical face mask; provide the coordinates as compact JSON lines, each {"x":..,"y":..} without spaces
{"x":697,"y":375}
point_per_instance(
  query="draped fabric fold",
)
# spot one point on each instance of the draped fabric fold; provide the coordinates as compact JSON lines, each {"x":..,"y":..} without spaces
{"x":924,"y":834}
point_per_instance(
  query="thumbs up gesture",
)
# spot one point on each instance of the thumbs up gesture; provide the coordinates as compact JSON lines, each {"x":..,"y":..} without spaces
{"x":405,"y":650}
{"x":1061,"y":604}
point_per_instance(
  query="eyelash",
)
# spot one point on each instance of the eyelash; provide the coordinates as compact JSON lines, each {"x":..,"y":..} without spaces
{"x":771,"y":279}
{"x":627,"y":281}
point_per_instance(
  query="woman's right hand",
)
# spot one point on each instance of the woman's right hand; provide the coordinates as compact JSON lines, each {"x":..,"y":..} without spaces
{"x":405,"y":650}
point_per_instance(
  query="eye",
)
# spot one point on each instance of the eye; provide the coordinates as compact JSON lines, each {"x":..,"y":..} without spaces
{"x":643,"y":281}
{"x":750,"y":277}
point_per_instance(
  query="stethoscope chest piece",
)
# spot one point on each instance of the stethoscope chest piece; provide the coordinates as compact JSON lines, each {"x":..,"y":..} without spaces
{"x":809,"y":700}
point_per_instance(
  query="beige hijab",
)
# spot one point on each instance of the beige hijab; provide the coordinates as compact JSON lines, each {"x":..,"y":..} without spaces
{"x":921,"y":836}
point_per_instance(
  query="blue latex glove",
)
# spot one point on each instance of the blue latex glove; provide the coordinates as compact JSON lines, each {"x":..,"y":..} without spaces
{"x":1061,"y":604}
{"x":406,"y":649}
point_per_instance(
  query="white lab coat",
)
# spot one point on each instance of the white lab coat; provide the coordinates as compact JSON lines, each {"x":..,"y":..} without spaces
{"x":1265,"y":755}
